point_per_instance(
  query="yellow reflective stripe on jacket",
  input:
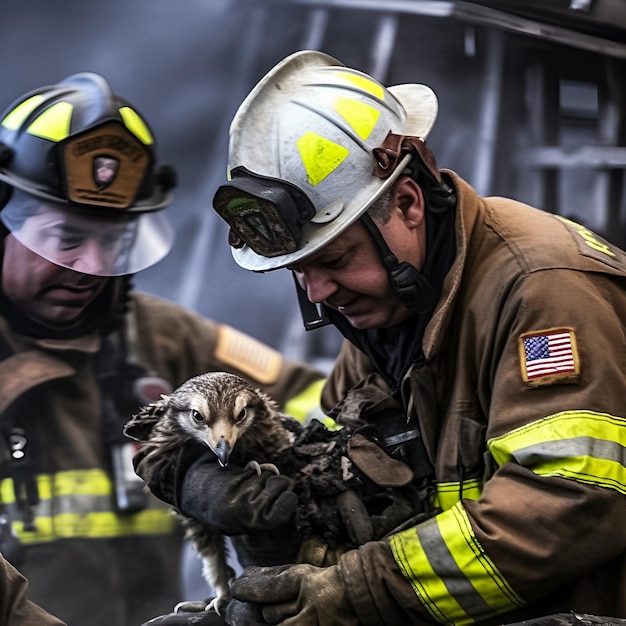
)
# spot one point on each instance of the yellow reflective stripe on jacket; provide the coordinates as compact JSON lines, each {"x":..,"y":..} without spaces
{"x":579,"y":445}
{"x":448,"y":494}
{"x":96,"y":526}
{"x":306,"y":402}
{"x":449,"y":571}
{"x":306,"y":406}
{"x":80,"y":503}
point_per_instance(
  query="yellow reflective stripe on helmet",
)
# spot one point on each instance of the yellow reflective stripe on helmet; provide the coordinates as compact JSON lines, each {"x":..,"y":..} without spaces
{"x":584,"y":446}
{"x":449,"y":494}
{"x":363,"y":83}
{"x":136,"y":125}
{"x":361,"y":117}
{"x":54,"y":123}
{"x":16,"y":117}
{"x":320,"y":156}
{"x":449,"y":571}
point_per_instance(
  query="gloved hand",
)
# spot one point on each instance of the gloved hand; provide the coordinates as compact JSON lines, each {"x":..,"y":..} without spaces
{"x":292,"y":595}
{"x":231,"y":499}
{"x":258,"y":509}
{"x":236,"y":500}
{"x":164,"y":474}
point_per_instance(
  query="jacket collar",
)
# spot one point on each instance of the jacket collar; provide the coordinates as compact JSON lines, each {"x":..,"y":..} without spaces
{"x":469,"y":207}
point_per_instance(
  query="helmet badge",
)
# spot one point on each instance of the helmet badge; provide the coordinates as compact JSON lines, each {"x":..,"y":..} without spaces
{"x":104,"y":170}
{"x":113,"y":171}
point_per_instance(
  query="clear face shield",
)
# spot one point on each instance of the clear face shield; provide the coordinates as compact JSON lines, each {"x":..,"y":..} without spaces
{"x":86,"y":242}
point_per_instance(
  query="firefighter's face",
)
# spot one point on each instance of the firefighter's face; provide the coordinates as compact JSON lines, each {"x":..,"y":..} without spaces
{"x":348,"y":275}
{"x":44,"y":291}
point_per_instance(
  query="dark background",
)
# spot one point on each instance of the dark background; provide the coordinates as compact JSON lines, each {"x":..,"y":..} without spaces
{"x":187,"y":64}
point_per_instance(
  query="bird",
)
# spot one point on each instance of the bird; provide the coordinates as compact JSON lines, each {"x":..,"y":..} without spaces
{"x":226,"y":413}
{"x":243,"y":426}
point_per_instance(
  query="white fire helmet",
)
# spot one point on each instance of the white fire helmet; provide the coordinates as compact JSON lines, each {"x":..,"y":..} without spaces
{"x":302,"y":156}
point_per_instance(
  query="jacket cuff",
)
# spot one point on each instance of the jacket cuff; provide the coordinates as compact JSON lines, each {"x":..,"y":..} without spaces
{"x":353,"y":573}
{"x":379,"y":593}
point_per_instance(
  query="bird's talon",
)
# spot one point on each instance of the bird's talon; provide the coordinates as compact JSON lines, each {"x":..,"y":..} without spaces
{"x":218,"y":604}
{"x":255,"y":466}
{"x":270,"y":467}
{"x":259,"y":467}
{"x":191,"y":606}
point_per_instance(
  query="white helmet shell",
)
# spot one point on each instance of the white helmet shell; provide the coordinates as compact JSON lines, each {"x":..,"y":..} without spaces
{"x":315,"y":123}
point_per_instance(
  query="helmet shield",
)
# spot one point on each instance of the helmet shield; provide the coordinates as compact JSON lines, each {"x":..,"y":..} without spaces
{"x":87,"y":241}
{"x":316,"y":124}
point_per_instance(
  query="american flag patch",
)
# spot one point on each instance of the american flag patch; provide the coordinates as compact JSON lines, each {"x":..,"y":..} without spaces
{"x":549,"y":356}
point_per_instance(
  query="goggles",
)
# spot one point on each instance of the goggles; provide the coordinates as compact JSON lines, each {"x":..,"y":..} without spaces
{"x":82,"y":240}
{"x":267,"y":214}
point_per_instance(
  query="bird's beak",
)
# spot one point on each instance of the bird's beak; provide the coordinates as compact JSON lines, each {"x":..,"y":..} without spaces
{"x":222,"y":451}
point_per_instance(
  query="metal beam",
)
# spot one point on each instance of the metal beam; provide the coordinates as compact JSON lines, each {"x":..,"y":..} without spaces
{"x":563,"y":157}
{"x":476,"y":14}
{"x":499,"y":19}
{"x":486,"y":146}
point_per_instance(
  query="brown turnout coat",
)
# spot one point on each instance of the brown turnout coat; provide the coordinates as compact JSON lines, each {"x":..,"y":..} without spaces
{"x":529,"y":461}
{"x":86,"y":563}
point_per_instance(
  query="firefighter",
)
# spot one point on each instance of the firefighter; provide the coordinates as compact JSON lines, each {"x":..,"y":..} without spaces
{"x":497,"y":328}
{"x":82,"y":200}
{"x":15,"y":607}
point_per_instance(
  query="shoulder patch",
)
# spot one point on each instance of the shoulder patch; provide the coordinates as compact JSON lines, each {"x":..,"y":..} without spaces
{"x":250,"y":357}
{"x":595,"y":247}
{"x":549,"y":356}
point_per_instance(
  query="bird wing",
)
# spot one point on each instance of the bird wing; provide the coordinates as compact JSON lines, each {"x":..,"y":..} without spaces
{"x":140,"y":426}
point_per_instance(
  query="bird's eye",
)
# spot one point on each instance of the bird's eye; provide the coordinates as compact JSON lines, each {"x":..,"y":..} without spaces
{"x":241,"y":415}
{"x":197,"y":416}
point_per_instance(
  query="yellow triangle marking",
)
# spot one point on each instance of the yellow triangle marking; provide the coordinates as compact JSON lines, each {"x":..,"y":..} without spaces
{"x":54,"y":123}
{"x":16,"y":117}
{"x":361,"y":117}
{"x":364,"y":83}
{"x":136,"y":125}
{"x":320,"y":156}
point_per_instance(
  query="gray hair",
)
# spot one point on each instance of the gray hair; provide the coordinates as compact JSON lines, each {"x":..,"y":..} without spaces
{"x":380,"y":211}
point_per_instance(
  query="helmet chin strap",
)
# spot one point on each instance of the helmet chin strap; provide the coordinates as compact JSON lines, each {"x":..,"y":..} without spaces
{"x":407,"y":282}
{"x":313,"y":315}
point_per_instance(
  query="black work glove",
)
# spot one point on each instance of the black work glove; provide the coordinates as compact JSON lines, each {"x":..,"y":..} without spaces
{"x":292,"y":595}
{"x":164,"y":475}
{"x":258,"y":510}
{"x":236,"y":500}
{"x":231,"y":499}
